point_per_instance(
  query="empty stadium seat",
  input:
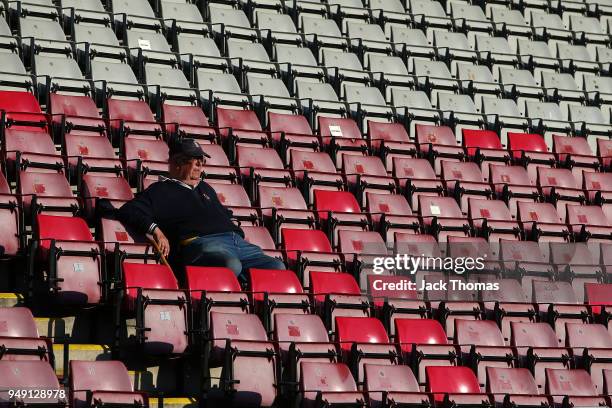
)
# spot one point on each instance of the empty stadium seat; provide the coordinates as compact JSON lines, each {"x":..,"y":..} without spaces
{"x":328,"y":384}
{"x":30,"y":374}
{"x":513,"y":384}
{"x":452,"y":382}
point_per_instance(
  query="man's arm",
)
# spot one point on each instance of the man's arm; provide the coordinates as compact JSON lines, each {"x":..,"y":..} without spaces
{"x":138,"y":213}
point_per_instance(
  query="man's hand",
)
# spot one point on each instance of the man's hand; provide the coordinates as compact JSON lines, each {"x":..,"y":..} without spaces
{"x":162,"y":241}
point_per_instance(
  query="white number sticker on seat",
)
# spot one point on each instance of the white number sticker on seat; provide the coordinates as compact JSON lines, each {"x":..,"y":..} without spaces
{"x":78,"y":267}
{"x":335,"y":131}
{"x":164,"y":315}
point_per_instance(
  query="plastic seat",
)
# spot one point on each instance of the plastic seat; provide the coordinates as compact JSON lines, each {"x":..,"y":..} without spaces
{"x":513,"y":185}
{"x":438,"y":143}
{"x":187,"y":121}
{"x":331,"y":384}
{"x":315,"y":170}
{"x":284,"y":208}
{"x":291,"y":132}
{"x":559,"y":187}
{"x":454,"y":381}
{"x":537,"y":345}
{"x":91,"y":154}
{"x":337,"y":211}
{"x":75,"y":114}
{"x":217,"y":167}
{"x":572,"y":386}
{"x":360,"y":248}
{"x":132,"y":119}
{"x":484,"y":147}
{"x":367,"y":104}
{"x":464,"y":181}
{"x":66,"y":250}
{"x":275,"y":292}
{"x":591,"y":343}
{"x":30,"y":374}
{"x":418,"y":178}
{"x":96,"y":187}
{"x":106,"y":381}
{"x":47,"y":193}
{"x":597,"y":188}
{"x":337,"y":294}
{"x":483,"y":345}
{"x":342,"y":136}
{"x":318,"y":98}
{"x":146,"y":160}
{"x":391,"y":213}
{"x":442,"y":217}
{"x":492,"y":220}
{"x":366,"y":174}
{"x":588,"y":223}
{"x":390,"y":140}
{"x":152,"y":291}
{"x":396,"y":381}
{"x":575,"y":154}
{"x":526,"y":262}
{"x":530,"y":151}
{"x":235,"y":199}
{"x":423,"y":343}
{"x":541,"y":222}
{"x":435,"y":77}
{"x":123,"y":244}
{"x":508,"y":304}
{"x":308,"y":250}
{"x":261,"y":167}
{"x":249,"y":352}
{"x":19,"y":336}
{"x":515,"y":384}
{"x":596,"y":295}
{"x":363,"y":340}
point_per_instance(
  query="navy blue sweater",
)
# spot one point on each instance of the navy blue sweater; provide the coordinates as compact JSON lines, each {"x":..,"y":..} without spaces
{"x":180,"y":212}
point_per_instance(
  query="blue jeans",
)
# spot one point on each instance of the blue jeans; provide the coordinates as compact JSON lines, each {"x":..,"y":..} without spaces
{"x":230,"y":250}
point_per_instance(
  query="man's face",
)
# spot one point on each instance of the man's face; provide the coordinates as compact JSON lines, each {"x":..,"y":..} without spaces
{"x":193,"y":169}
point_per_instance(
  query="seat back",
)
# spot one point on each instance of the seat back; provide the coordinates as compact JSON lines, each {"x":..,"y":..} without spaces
{"x":452,"y":380}
{"x":478,"y":332}
{"x":517,"y":381}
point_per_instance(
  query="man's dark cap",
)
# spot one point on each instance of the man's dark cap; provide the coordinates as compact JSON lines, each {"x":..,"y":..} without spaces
{"x":188,"y":147}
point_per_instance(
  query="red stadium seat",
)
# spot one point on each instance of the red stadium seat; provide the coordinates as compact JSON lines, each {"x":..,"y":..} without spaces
{"x":537,"y":345}
{"x":559,"y":187}
{"x":391,"y":213}
{"x":22,"y":111}
{"x":417,"y":177}
{"x":359,"y":249}
{"x":337,"y":211}
{"x":442,"y":217}
{"x":75,"y":115}
{"x":337,"y":294}
{"x":483,"y":346}
{"x":588,"y":223}
{"x":132,"y":118}
{"x":315,"y":170}
{"x":541,"y":222}
{"x":604,"y":151}
{"x":454,"y":381}
{"x":423,"y":343}
{"x":235,"y":199}
{"x":214,"y":289}
{"x":530,"y":151}
{"x":187,"y":121}
{"x":277,"y":291}
{"x":598,"y":188}
{"x":492,"y":220}
{"x":366,"y":174}
{"x":593,"y":344}
{"x":284,"y":208}
{"x":48,"y":193}
{"x":91,"y":154}
{"x":484,"y":148}
{"x":438,"y":143}
{"x":124,"y":244}
{"x":248,"y":352}
{"x":305,"y":333}
{"x":96,"y":187}
{"x":261,"y":237}
{"x":10,"y":216}
{"x":309,"y":250}
{"x":69,"y":256}
{"x":217,"y":167}
{"x":30,"y":150}
{"x":464,"y":181}
{"x":390,"y":140}
{"x":146,"y":159}
{"x":18,"y":375}
{"x":161,"y":308}
{"x":290,"y":133}
{"x":396,"y":381}
{"x":328,"y":384}
{"x":363,"y":340}
{"x":525,"y":262}
{"x":572,"y":386}
{"x":508,"y":304}
{"x":238,"y":126}
{"x":102,"y":382}
{"x":19,"y":336}
{"x":575,"y":154}
{"x":512,"y":185}
{"x":598,"y":295}
{"x":341,"y":135}
{"x":516,"y":385}
{"x":262,"y":166}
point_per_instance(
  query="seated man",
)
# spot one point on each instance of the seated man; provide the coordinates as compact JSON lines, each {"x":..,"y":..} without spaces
{"x":184,"y":210}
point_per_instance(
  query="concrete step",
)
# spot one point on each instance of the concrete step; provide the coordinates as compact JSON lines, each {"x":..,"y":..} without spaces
{"x":174,"y":403}
{"x":9,"y":299}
